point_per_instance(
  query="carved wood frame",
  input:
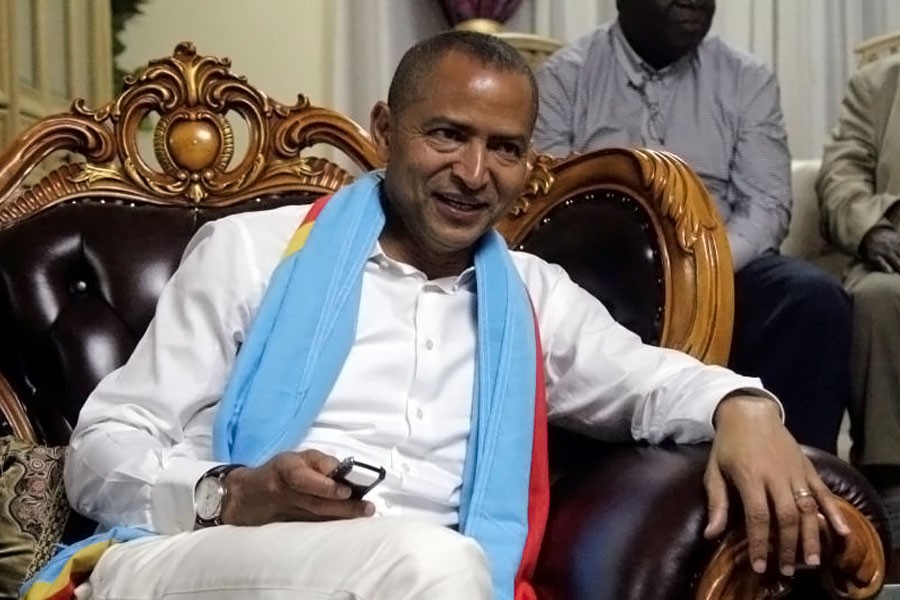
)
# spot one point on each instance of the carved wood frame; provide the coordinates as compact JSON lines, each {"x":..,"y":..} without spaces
{"x":196,"y":98}
{"x":852,"y":567}
{"x":699,"y":280}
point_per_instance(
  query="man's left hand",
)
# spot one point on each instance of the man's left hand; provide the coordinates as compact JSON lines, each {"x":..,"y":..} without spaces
{"x":780,"y":490}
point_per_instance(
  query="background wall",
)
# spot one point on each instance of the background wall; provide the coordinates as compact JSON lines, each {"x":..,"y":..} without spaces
{"x":290,"y":46}
{"x":283,"y":46}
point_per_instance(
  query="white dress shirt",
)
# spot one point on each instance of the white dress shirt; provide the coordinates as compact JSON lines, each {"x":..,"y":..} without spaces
{"x":402,"y":400}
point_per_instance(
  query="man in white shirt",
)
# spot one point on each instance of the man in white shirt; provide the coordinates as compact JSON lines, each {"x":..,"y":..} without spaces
{"x":455,"y":135}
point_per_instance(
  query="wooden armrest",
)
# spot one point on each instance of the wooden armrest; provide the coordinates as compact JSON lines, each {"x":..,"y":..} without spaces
{"x":14,"y":412}
{"x":852,"y":566}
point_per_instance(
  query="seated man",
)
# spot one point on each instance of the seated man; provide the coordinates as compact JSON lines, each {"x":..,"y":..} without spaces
{"x":654,"y":79}
{"x":859,"y":189}
{"x":390,"y":323}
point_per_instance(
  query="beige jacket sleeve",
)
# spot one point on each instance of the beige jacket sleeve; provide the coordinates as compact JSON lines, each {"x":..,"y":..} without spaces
{"x":858,"y":181}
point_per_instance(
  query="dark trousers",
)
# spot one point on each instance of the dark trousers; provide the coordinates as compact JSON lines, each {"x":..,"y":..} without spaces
{"x":792,"y":327}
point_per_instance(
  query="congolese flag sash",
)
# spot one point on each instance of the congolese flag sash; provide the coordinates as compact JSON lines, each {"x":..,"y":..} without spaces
{"x":303,"y":332}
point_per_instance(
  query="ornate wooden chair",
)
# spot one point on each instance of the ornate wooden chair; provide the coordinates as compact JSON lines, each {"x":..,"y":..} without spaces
{"x":85,"y":251}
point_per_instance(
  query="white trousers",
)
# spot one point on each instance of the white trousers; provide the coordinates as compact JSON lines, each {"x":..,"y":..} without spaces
{"x":362,"y":559}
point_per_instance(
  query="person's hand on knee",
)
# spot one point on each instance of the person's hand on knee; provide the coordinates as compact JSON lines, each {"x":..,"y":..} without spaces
{"x":291,"y":486}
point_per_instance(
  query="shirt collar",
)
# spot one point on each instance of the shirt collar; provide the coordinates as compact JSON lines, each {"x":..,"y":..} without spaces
{"x":634,"y":66}
{"x":449,"y":284}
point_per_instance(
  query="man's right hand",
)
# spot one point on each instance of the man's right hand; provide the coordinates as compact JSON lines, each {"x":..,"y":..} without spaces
{"x":880,"y":248}
{"x":291,"y":486}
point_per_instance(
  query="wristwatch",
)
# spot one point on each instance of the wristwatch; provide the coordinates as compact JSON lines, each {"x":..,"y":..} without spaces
{"x":209,"y":496}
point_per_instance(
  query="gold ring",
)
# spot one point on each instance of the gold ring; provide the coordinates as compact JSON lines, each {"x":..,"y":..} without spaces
{"x":802,"y":493}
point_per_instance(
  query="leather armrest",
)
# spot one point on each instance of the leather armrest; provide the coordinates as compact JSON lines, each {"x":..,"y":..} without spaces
{"x":627,"y":523}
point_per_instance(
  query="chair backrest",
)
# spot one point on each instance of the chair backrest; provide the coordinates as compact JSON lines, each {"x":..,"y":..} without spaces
{"x":804,"y":239}
{"x":85,"y":252}
{"x":874,"y":48}
{"x":637,"y":229}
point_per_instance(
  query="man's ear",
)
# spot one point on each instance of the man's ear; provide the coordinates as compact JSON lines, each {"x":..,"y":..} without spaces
{"x":380,"y":128}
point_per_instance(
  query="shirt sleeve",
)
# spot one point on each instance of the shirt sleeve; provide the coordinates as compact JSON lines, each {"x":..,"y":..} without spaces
{"x":142,"y":439}
{"x":604,"y":382}
{"x":846,"y":183}
{"x":759,"y":187}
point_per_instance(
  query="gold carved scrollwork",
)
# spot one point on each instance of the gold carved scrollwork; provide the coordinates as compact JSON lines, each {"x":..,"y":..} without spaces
{"x":539,"y":181}
{"x":91,"y":174}
{"x":193,"y":140}
{"x":317,"y":170}
{"x":197,"y":100}
{"x":673,"y":183}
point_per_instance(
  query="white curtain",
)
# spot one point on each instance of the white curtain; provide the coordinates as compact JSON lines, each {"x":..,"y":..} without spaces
{"x":370,"y":37}
{"x":808,"y":43}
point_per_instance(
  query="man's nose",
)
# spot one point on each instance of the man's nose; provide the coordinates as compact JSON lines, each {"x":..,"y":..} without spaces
{"x":470,"y":166}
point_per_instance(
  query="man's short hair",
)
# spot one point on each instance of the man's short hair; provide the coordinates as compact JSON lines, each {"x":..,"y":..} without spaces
{"x":419,"y":61}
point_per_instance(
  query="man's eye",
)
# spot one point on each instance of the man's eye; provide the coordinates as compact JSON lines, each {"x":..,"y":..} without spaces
{"x":509,"y":150}
{"x":446,"y":134}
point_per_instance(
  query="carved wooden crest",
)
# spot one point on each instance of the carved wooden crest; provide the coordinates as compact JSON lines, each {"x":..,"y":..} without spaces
{"x":197,"y":98}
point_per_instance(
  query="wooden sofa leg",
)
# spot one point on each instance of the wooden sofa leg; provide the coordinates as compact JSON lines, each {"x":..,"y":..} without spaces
{"x":13,"y":411}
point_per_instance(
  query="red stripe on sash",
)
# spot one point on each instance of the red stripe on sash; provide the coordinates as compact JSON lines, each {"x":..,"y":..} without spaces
{"x":317,"y":207}
{"x":539,"y":483}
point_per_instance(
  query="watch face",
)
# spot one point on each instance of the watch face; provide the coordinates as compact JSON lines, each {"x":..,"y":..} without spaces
{"x":208,"y":498}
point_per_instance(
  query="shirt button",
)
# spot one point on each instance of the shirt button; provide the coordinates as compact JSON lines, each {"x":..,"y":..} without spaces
{"x":420,"y":413}
{"x":429,"y":345}
{"x":405,"y":468}
{"x":388,"y":504}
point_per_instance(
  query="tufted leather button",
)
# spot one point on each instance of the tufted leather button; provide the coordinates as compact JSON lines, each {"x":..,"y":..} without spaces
{"x":78,"y":287}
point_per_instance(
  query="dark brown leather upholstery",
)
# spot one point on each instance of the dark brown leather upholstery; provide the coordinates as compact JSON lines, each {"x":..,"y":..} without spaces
{"x":606,"y":243}
{"x":627,"y":519}
{"x":84,"y":254}
{"x":78,"y":287}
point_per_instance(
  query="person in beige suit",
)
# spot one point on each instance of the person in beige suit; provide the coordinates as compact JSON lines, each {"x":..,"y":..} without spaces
{"x":859,"y":189}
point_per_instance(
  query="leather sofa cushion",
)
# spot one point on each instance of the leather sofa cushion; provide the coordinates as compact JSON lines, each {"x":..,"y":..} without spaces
{"x":78,"y":286}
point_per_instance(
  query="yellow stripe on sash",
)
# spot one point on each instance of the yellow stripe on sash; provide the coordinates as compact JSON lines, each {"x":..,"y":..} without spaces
{"x":82,"y":563}
{"x":299,"y":239}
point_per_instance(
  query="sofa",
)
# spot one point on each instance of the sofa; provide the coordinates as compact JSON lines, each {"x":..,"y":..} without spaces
{"x":85,"y":250}
{"x":804,"y":239}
